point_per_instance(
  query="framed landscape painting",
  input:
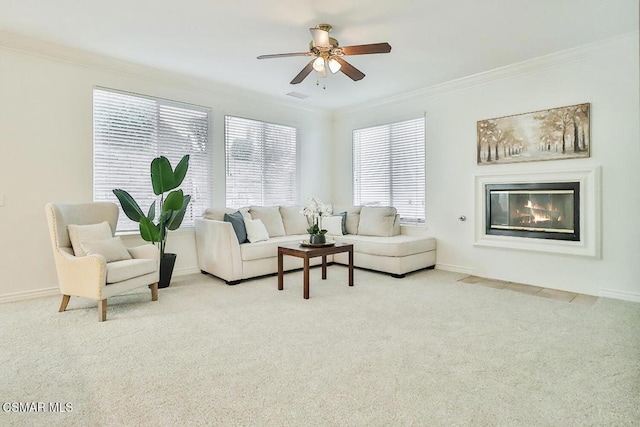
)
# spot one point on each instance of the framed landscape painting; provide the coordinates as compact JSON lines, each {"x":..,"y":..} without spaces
{"x":554,"y":134}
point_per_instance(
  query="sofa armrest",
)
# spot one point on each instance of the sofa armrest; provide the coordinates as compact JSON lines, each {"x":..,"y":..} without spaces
{"x":218,"y":249}
{"x":81,"y":276}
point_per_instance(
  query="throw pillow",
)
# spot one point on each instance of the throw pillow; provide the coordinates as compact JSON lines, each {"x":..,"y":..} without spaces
{"x":256,"y":231}
{"x":335,"y":225}
{"x":237,"y":221}
{"x":353,"y":217}
{"x":294,"y":221}
{"x":111,"y":249}
{"x":378,"y":221}
{"x":87,"y":233}
{"x":344,"y":221}
{"x":270,"y":217}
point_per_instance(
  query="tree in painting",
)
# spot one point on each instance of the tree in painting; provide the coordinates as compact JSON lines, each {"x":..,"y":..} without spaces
{"x":558,"y":133}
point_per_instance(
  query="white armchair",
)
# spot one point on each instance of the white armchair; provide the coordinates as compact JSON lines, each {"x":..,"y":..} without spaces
{"x":90,"y":275}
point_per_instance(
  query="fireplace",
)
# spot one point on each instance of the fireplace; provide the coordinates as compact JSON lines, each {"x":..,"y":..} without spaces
{"x":549,"y":210}
{"x":571,"y":225}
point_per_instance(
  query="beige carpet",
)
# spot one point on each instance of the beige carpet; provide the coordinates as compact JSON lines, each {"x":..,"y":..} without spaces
{"x":424,"y":350}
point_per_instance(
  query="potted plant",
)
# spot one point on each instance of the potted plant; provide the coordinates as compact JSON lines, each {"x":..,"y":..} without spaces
{"x":316,"y":235}
{"x":314,"y":211}
{"x":170,"y":211}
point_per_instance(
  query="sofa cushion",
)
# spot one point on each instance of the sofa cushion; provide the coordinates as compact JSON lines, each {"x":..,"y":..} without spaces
{"x":270,"y":217}
{"x":218,"y":213}
{"x":393,"y":246}
{"x":111,"y":249}
{"x":128,"y":269}
{"x":256,"y":231}
{"x":353,"y":217}
{"x":268,"y":248}
{"x":293,"y":220}
{"x":380,"y":221}
{"x":237,"y":221}
{"x":79,"y":234}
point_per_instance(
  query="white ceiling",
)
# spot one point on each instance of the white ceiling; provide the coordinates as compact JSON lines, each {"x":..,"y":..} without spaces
{"x":433,"y":41}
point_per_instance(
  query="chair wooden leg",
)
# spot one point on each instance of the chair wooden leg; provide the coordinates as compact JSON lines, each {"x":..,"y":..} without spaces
{"x":154,"y":292}
{"x":63,"y":304}
{"x":102,"y":310}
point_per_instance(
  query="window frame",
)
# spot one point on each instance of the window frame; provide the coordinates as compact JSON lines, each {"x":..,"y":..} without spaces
{"x":293,"y":196}
{"x":199,"y":201}
{"x":404,"y":220}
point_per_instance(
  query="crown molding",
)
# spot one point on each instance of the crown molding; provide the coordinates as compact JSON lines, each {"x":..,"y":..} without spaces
{"x":82,"y":58}
{"x":621,"y":42}
{"x":57,"y":52}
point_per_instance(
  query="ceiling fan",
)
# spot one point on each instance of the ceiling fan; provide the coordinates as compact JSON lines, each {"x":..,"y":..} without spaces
{"x":328,"y":53}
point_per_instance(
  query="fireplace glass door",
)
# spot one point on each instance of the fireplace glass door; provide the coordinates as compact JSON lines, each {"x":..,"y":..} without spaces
{"x":536,"y":210}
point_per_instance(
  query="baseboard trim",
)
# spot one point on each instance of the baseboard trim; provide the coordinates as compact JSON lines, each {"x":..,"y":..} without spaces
{"x":454,"y":268}
{"x":47,"y":292}
{"x":186,"y":271}
{"x":625,"y":296}
{"x":21,"y":296}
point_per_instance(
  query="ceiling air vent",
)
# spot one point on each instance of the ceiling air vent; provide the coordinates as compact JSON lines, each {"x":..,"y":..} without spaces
{"x":298,"y":95}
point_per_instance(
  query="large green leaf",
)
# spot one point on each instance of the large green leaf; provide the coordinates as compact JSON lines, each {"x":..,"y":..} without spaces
{"x":177,"y":216}
{"x":173,"y":202}
{"x":152,"y":211}
{"x":129,"y":205}
{"x":181,"y":170}
{"x":162,"y":178}
{"x":148,"y":230}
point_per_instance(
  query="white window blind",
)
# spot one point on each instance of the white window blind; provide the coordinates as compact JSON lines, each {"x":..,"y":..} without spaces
{"x":389,"y":168}
{"x":129,"y":131}
{"x":261,"y":163}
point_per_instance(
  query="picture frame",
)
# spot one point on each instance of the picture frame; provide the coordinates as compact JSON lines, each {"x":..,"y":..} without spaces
{"x":552,"y":134}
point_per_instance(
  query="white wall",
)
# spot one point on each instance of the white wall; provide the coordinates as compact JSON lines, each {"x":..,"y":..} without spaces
{"x":46,"y":146}
{"x":604,"y":74}
{"x":46,"y":154}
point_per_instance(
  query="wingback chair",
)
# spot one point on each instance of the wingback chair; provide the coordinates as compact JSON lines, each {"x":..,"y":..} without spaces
{"x":90,"y":262}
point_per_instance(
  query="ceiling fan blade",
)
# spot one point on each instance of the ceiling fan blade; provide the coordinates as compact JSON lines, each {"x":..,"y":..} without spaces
{"x":351,"y":71}
{"x":364,"y":49}
{"x":303,"y":74}
{"x":283,"y":55}
{"x":320,"y":37}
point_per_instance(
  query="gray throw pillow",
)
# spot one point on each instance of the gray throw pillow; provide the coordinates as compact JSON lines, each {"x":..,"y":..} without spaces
{"x":344,"y":221}
{"x":237,"y":221}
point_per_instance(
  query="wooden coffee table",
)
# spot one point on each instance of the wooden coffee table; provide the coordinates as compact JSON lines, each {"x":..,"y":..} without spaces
{"x":306,"y":253}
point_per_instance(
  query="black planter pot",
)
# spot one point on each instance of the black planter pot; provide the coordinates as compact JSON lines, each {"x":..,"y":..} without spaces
{"x":317,"y":239}
{"x":167,"y":263}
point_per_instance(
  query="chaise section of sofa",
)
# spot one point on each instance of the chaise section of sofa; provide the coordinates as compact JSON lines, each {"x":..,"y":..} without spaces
{"x":380,"y":243}
{"x":396,"y":255}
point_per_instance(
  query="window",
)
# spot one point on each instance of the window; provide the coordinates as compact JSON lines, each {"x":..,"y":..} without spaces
{"x":129,"y":131}
{"x":262,"y":163}
{"x":389,"y":168}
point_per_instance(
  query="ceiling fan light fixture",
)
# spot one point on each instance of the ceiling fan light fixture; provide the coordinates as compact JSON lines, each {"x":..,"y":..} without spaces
{"x":334,"y":65}
{"x":318,"y":64}
{"x":326,"y":54}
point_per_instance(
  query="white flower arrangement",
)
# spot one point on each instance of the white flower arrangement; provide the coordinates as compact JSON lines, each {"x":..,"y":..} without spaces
{"x":314,"y":211}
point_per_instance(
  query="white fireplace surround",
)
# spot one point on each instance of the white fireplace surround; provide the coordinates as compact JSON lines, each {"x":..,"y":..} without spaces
{"x":589,"y":244}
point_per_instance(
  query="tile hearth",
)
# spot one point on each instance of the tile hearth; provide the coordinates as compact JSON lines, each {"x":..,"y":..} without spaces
{"x":570,"y":297}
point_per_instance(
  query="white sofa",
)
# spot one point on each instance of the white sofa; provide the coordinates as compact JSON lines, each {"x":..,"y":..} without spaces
{"x":380,"y":242}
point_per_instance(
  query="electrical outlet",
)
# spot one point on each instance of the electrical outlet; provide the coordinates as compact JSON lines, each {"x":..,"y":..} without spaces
{"x":1,"y":199}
